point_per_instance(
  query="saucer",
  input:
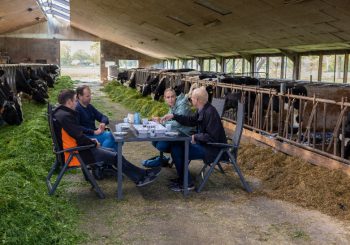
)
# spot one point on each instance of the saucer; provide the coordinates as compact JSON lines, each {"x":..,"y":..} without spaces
{"x":120,"y":133}
{"x":172,"y":133}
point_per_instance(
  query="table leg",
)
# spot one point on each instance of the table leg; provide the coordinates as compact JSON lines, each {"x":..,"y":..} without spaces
{"x":120,"y":171}
{"x":186,"y":168}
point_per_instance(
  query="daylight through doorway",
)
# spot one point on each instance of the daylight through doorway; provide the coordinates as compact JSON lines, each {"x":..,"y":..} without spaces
{"x":80,"y":60}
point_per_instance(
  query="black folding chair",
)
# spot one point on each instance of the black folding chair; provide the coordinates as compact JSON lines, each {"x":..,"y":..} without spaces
{"x":230,"y":149}
{"x":219,"y":105}
{"x":60,"y":161}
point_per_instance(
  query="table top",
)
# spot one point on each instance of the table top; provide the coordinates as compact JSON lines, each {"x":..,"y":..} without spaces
{"x":132,"y":135}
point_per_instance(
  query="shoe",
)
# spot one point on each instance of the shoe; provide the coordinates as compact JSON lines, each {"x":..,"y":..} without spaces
{"x":153,"y":171}
{"x":152,"y":163}
{"x":175,"y":180}
{"x":165,"y":161}
{"x":146,"y":180}
{"x":179,"y":187}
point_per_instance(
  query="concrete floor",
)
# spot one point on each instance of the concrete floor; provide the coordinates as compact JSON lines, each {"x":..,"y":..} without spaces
{"x":222,"y":214}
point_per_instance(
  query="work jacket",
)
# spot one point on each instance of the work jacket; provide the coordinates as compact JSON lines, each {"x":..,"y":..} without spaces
{"x":70,"y":134}
{"x":209,"y":129}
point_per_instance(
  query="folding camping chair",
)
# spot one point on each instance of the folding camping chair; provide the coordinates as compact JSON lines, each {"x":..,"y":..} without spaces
{"x":60,"y":161}
{"x":219,"y":104}
{"x":230,"y":149}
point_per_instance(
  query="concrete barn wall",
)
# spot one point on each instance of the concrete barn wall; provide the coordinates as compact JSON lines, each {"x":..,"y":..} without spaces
{"x":29,"y":50}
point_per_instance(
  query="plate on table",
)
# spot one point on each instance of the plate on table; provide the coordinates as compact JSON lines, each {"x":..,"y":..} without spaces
{"x":171,"y":133}
{"x":125,"y":126}
{"x":120,"y":133}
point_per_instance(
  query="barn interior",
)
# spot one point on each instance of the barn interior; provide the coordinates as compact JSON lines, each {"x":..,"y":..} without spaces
{"x":295,"y":144}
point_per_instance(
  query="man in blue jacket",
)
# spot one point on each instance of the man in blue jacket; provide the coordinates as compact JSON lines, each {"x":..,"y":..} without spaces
{"x":88,"y":114}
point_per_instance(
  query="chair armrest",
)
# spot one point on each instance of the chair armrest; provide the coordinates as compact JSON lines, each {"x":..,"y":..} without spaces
{"x":220,"y":145}
{"x":78,"y":148}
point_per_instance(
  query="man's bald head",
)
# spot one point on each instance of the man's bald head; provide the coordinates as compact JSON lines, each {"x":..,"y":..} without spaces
{"x":201,"y":95}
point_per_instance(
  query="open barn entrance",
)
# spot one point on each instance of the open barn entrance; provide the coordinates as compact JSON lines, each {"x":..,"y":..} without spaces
{"x":80,"y":60}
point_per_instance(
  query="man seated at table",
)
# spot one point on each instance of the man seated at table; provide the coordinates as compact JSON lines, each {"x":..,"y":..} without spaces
{"x":209,"y":129}
{"x":71,"y":134}
{"x":88,"y":114}
{"x":177,"y":105}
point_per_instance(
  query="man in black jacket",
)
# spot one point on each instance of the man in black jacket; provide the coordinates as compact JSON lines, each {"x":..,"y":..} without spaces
{"x":209,"y":129}
{"x":70,"y":133}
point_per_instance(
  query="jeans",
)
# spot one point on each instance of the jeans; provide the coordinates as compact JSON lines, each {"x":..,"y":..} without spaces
{"x":162,"y":146}
{"x":106,"y":140}
{"x":195,"y":151}
{"x":111,"y":158}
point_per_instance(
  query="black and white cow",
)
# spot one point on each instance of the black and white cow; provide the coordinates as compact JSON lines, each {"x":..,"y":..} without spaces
{"x":231,"y":100}
{"x":23,"y":84}
{"x":150,"y":85}
{"x":10,"y":106}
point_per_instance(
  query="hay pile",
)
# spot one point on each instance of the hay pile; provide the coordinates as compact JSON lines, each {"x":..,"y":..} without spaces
{"x":133,"y":100}
{"x":292,"y":179}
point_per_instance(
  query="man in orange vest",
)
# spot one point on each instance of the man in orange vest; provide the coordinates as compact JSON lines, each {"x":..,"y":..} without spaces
{"x":70,"y":133}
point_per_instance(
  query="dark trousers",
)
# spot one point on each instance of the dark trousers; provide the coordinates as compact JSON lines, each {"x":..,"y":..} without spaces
{"x":111,"y":158}
{"x":196,"y":151}
{"x":162,"y":146}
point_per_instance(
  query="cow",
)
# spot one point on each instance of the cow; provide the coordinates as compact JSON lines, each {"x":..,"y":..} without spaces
{"x":10,"y":105}
{"x":131,"y":83}
{"x":159,"y":91}
{"x":122,"y":76}
{"x":231,"y":101}
{"x":150,"y":85}
{"x":250,"y":81}
{"x":23,"y":85}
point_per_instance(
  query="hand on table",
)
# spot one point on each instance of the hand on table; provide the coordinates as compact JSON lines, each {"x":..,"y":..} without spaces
{"x":156,"y":119}
{"x":102,"y":126}
{"x":98,"y":131}
{"x":97,"y":143}
{"x":166,"y":118}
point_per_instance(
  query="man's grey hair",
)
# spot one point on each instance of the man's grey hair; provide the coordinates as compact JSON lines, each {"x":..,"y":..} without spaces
{"x":201,"y":94}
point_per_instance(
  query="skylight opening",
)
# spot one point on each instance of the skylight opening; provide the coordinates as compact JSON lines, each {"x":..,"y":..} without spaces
{"x":56,"y":8}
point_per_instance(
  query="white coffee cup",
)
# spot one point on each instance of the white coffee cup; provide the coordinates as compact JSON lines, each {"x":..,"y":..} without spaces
{"x":144,"y":121}
{"x":131,"y":118}
{"x":118,"y":128}
{"x":168,"y":127}
{"x":125,"y":120}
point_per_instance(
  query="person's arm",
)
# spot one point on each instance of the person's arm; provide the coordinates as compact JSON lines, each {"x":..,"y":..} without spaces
{"x":191,"y":120}
{"x":99,"y":116}
{"x":69,"y":124}
{"x":85,"y":130}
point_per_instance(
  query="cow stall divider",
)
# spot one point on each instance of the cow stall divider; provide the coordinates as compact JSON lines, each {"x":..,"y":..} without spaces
{"x":304,"y":126}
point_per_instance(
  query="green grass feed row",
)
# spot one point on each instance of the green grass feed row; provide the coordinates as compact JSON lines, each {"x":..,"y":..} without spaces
{"x":133,"y":100}
{"x":27,"y":214}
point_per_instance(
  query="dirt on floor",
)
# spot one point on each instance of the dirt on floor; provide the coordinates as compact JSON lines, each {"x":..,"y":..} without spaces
{"x":293,"y":202}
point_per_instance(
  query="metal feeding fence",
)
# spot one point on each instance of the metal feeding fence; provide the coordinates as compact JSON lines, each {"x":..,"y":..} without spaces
{"x":312,"y":123}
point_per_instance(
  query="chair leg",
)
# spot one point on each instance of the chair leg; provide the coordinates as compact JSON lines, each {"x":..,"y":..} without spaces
{"x":237,"y":169}
{"x":91,"y":179}
{"x":220,"y":168}
{"x":49,"y":175}
{"x":206,"y":177}
{"x":201,"y":173}
{"x":58,"y":179}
